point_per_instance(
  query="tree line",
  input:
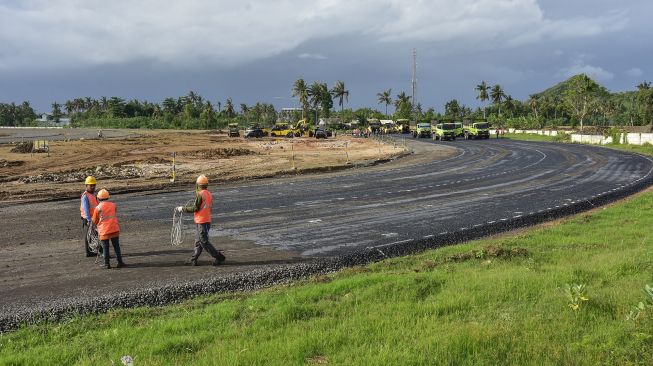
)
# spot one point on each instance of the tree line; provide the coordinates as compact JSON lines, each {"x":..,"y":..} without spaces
{"x":578,"y":101}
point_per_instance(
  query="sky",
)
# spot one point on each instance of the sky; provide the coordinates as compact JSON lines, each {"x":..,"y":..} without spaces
{"x":253,"y":51}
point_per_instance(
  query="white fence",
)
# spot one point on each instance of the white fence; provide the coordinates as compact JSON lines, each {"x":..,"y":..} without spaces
{"x":625,"y":138}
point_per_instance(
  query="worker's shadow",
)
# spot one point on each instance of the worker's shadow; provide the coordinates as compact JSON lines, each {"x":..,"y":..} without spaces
{"x":158,"y":252}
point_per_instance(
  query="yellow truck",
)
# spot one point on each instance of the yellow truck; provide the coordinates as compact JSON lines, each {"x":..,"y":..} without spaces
{"x":403,"y":126}
{"x":283,"y":129}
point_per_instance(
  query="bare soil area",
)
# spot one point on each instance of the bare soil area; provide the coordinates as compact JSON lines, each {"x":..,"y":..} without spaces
{"x":144,"y":161}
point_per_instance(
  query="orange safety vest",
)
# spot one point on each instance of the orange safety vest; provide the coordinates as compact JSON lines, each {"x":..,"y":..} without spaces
{"x":203,"y":215}
{"x":107,"y":222}
{"x":92,"y":204}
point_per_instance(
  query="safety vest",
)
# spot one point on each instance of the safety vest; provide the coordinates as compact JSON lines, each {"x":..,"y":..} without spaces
{"x":203,"y":215}
{"x":107,"y":221}
{"x":92,"y":204}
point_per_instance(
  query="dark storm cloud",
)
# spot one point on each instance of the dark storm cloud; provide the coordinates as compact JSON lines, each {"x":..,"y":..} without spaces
{"x":57,"y":50}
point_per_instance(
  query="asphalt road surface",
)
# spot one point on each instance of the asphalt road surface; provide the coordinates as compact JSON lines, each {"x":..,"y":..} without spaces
{"x":267,"y":223}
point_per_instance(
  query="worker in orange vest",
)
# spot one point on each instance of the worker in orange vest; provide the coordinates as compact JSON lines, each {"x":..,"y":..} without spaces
{"x":108,"y":228}
{"x":86,"y":209}
{"x":202,"y":217}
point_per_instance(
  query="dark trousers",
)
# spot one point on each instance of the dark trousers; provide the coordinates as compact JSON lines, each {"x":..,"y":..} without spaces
{"x":85,"y":228}
{"x":202,"y":242}
{"x":116,"y":248}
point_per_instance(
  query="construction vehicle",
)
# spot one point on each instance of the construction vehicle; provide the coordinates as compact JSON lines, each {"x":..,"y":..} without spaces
{"x":374,"y":126}
{"x":477,"y":130}
{"x":422,"y":130}
{"x":234,"y":130}
{"x":283,"y":129}
{"x":388,"y":126}
{"x":304,"y":128}
{"x":445,"y":131}
{"x":460,"y":131}
{"x":403,"y":125}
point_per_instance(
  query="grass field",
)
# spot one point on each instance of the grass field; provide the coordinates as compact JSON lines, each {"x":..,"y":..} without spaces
{"x":494,"y":301}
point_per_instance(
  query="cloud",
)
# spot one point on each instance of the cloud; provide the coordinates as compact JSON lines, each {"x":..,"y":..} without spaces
{"x":579,"y":66}
{"x":41,"y":34}
{"x":635,"y":72}
{"x":312,"y":56}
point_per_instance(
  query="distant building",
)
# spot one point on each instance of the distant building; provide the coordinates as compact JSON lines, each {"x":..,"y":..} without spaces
{"x":46,"y":119}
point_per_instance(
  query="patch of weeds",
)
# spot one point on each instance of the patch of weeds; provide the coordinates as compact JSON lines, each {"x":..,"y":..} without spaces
{"x":644,"y":308}
{"x":576,"y":295}
{"x":490,"y":251}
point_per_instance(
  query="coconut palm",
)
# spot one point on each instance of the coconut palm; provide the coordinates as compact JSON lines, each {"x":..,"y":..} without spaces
{"x":300,"y":90}
{"x":341,"y":94}
{"x":385,"y":98}
{"x":482,"y":93}
{"x":510,"y":104}
{"x":497,"y":95}
{"x":402,"y":99}
{"x":644,"y":85}
{"x":229,"y":108}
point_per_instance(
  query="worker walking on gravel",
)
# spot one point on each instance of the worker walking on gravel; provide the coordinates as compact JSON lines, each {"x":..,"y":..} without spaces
{"x":202,"y":217}
{"x":86,"y":209}
{"x":108,"y":228}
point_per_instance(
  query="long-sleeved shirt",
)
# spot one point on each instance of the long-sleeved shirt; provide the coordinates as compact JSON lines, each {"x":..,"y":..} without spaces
{"x":85,"y":207}
{"x":196,"y":206}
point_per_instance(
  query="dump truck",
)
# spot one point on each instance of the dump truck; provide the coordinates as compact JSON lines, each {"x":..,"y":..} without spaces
{"x":403,"y":126}
{"x":460,"y":130}
{"x":477,"y":130}
{"x":422,"y":130}
{"x":445,"y":131}
{"x":234,"y":130}
{"x":374,"y":126}
{"x":388,"y":126}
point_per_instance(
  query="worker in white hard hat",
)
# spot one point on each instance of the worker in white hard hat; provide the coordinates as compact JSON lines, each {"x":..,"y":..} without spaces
{"x":202,"y":217}
{"x":86,"y":208}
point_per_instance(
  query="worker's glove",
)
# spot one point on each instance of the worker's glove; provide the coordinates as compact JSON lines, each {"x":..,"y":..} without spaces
{"x":179,"y":209}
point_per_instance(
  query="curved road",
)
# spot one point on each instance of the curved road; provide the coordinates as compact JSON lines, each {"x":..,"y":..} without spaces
{"x":262,"y":224}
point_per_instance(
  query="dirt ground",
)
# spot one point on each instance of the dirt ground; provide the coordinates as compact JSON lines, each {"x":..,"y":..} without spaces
{"x":144,"y":161}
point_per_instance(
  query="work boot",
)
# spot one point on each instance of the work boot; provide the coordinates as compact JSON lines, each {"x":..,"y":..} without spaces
{"x":121,"y":265}
{"x":217,"y":262}
{"x":89,"y":254}
{"x":192,"y":262}
{"x":105,"y":266}
{"x":220,"y":258}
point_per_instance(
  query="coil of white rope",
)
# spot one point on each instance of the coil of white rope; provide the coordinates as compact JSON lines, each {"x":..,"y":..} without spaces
{"x":177,"y":233}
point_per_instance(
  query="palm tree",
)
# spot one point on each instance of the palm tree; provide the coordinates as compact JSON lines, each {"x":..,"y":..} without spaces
{"x":56,"y":111}
{"x":482,"y":93}
{"x":402,"y":98}
{"x":497,"y":95}
{"x":300,"y":90}
{"x":315,"y":96}
{"x":244,"y":108}
{"x":229,"y":108}
{"x":644,"y":85}
{"x":69,"y":106}
{"x":385,"y":98}
{"x":341,"y":93}
{"x":510,"y":104}
{"x":533,"y":102}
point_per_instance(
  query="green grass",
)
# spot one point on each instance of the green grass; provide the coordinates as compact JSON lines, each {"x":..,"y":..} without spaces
{"x":641,"y":149}
{"x":456,"y":305}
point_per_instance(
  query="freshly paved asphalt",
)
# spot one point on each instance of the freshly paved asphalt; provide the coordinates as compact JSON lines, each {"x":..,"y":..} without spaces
{"x":288,"y":221}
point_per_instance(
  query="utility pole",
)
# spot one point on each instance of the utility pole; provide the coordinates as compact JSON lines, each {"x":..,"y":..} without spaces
{"x":414,"y":86}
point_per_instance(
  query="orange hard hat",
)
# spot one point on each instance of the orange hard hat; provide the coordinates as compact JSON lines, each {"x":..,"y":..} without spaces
{"x":202,"y":180}
{"x":103,"y":194}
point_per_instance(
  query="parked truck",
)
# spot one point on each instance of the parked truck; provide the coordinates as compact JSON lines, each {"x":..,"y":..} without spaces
{"x":445,"y":131}
{"x":477,"y":130}
{"x":422,"y":130}
{"x":403,"y":126}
